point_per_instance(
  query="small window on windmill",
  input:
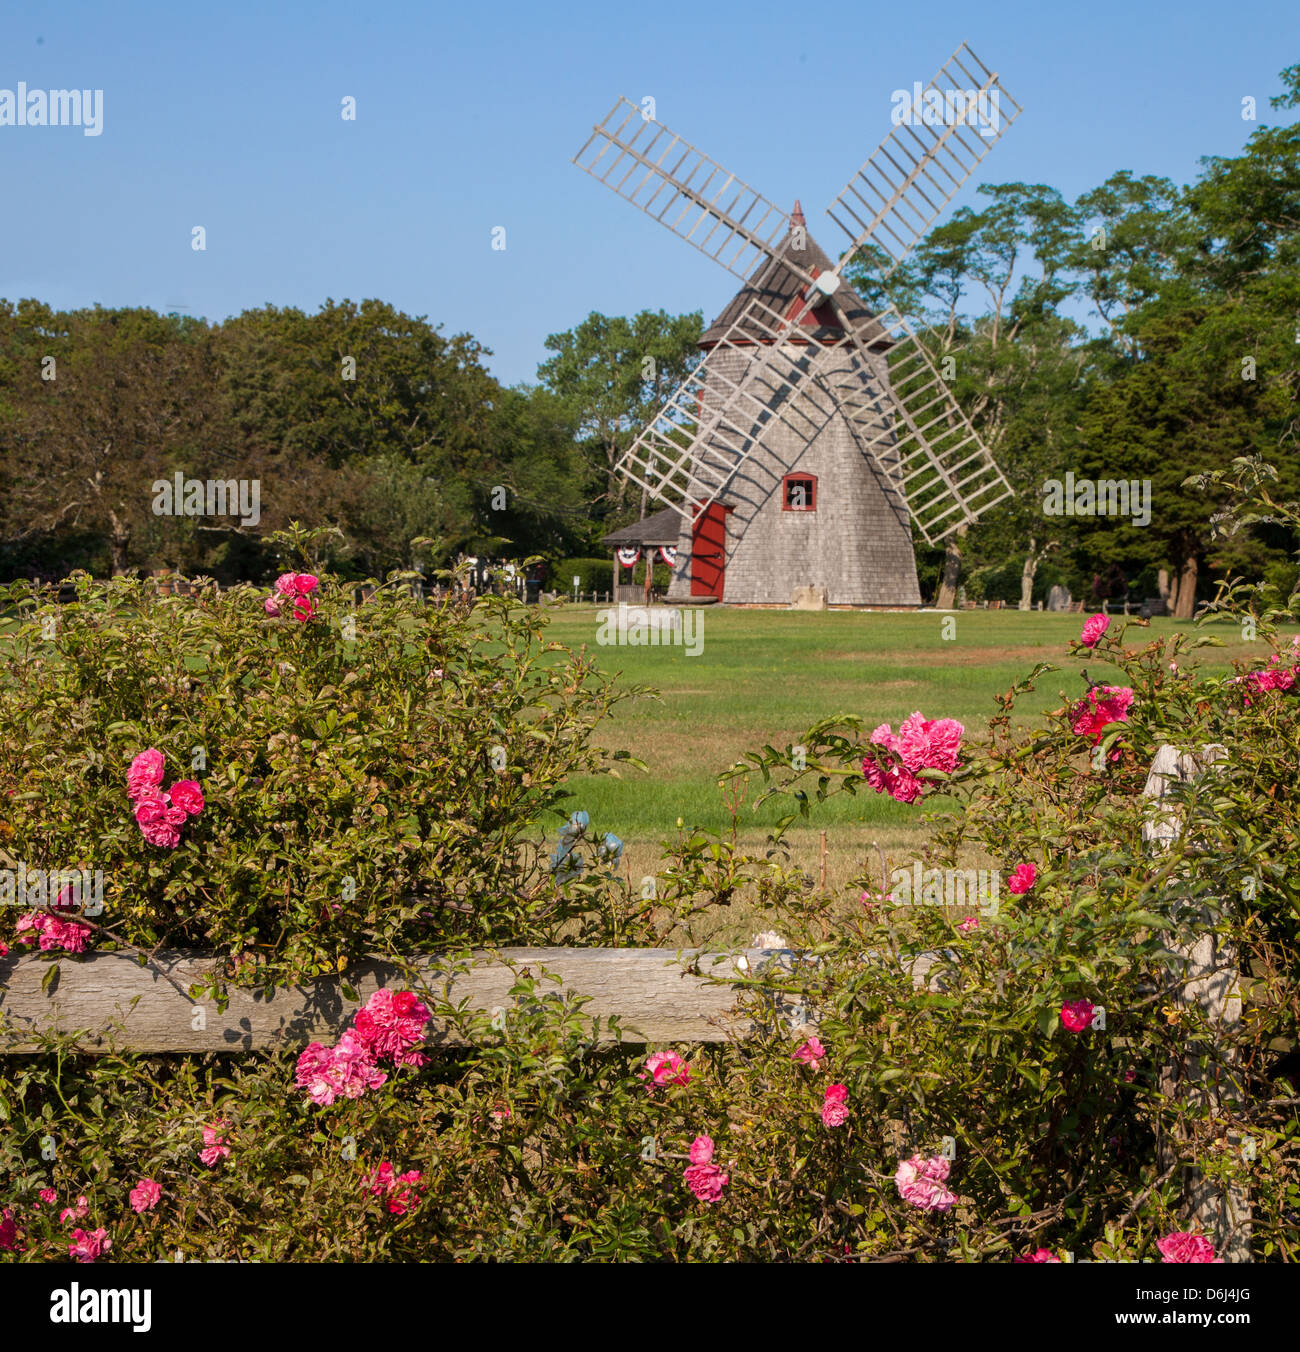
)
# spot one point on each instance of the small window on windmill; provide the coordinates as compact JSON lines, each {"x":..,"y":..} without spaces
{"x":799,"y":493}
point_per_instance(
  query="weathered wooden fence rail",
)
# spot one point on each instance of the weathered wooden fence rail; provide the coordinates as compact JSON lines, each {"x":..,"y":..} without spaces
{"x":657,"y":997}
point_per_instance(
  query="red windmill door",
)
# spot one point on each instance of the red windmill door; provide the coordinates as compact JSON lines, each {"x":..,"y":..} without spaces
{"x":709,"y":551}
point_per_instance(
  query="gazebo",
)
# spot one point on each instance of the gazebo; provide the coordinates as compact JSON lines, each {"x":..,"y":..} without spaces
{"x":640,"y":543}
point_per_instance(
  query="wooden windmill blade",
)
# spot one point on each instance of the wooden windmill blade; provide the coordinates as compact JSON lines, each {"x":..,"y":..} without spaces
{"x":683,"y":189}
{"x":928,"y":448}
{"x":714,"y":422}
{"x":917,"y":169}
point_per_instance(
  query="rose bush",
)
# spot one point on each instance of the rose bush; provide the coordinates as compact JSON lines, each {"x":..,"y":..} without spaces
{"x":944,"y":1110}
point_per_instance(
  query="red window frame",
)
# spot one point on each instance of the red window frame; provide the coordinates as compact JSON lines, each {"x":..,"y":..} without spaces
{"x":785,"y":492}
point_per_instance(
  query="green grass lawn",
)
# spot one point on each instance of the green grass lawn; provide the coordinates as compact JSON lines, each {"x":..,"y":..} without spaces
{"x":765,"y":676}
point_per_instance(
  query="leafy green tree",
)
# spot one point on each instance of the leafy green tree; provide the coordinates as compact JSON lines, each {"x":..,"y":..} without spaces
{"x":614,"y":374}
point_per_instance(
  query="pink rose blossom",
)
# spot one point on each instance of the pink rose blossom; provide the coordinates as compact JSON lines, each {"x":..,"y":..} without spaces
{"x":811,"y":1053}
{"x":304,"y":583}
{"x":272,"y":608}
{"x":929,"y":744}
{"x":354,"y":1070}
{"x":53,"y":933}
{"x":401,"y":1192}
{"x":144,"y":1196}
{"x":146,"y":773}
{"x":970,"y":923}
{"x":1181,"y":1247}
{"x":921,"y":744}
{"x":313,"y":1073}
{"x":1022,"y":879}
{"x":85,"y":1248}
{"x":920,"y":1183}
{"x":390,"y":1024}
{"x":1102,"y":704}
{"x":304,"y":608}
{"x":701,"y":1150}
{"x":4,"y":949}
{"x":1038,"y":1256}
{"x":287,"y":584}
{"x":706,"y":1181}
{"x":1094,"y":629}
{"x":835,"y":1109}
{"x":75,"y":1213}
{"x":154,"y":816}
{"x":187,"y":796}
{"x":666,"y":1068}
{"x":1076,"y":1015}
{"x":215,"y":1150}
{"x":9,"y":1233}
{"x":49,"y":1196}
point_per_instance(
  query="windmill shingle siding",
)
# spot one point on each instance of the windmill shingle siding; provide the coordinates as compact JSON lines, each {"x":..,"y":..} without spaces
{"x":857,"y":543}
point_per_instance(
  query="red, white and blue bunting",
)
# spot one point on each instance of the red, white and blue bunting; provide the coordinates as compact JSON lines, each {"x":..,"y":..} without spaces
{"x":628,"y":555}
{"x":668,"y":553}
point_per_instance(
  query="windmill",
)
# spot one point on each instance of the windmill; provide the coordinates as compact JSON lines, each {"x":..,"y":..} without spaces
{"x":814,"y":433}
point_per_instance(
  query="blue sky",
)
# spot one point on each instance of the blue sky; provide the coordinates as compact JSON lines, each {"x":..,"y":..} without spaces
{"x":228,"y":116}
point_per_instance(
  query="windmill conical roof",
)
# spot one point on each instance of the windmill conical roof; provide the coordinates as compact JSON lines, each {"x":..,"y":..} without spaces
{"x":777,"y":287}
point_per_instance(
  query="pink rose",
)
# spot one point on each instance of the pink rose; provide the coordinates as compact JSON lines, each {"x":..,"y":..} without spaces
{"x":146,"y":773}
{"x":1022,"y":879}
{"x":1076,"y":1015}
{"x":390,"y":1023}
{"x":312,"y":1073}
{"x":1102,"y":704}
{"x":49,"y":1196}
{"x":272,"y":608}
{"x":706,"y":1181}
{"x":287,"y":584}
{"x":354,"y":1070}
{"x":9,"y":1233}
{"x":154,"y":816}
{"x":920,"y":1183}
{"x":970,"y":923}
{"x":304,"y":608}
{"x":1094,"y":629}
{"x":811,"y":1053}
{"x":929,"y":744}
{"x":75,"y":1213}
{"x":214,"y":1150}
{"x":187,"y":796}
{"x":345,"y":1071}
{"x":1181,"y":1247}
{"x":400,"y":1191}
{"x":921,"y":744}
{"x":65,"y":934}
{"x":144,"y":1196}
{"x":666,"y":1068}
{"x":701,"y":1150}
{"x":305,"y":583}
{"x":835,"y":1111}
{"x":85,"y":1248}
{"x":4,"y":949}
{"x":1038,"y":1256}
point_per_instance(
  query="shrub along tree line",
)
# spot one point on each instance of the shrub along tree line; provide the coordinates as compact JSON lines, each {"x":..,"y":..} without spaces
{"x":259,"y":777}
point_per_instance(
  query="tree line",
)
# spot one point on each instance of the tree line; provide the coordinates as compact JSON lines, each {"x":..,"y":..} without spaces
{"x":382,"y":425}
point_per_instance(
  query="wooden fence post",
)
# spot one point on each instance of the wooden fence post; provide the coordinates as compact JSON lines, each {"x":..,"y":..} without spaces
{"x":1205,"y":1075}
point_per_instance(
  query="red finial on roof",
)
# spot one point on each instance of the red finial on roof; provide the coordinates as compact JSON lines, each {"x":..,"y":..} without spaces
{"x":796,"y":216}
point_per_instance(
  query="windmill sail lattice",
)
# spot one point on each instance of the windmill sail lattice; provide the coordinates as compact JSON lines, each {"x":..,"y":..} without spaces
{"x":804,"y":363}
